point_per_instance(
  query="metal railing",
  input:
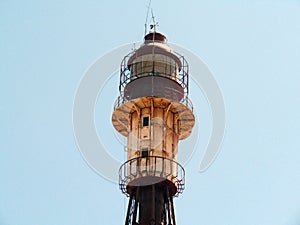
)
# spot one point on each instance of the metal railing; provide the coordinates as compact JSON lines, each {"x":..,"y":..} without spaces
{"x":181,"y":77}
{"x":151,"y":166}
{"x":185,"y":101}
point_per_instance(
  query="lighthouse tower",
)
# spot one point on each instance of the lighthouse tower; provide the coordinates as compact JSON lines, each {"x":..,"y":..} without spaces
{"x":154,"y":112}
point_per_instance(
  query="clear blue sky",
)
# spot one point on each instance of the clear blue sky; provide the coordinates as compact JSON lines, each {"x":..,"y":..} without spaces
{"x":252,"y":48}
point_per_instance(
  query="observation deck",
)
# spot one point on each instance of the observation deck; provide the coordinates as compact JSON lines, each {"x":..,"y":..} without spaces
{"x":144,"y":171}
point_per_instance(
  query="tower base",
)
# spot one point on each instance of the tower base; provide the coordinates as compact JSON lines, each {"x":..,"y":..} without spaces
{"x":150,"y":205}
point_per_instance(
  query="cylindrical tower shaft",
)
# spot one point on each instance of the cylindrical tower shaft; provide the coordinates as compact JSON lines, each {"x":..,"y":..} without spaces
{"x":153,"y":111}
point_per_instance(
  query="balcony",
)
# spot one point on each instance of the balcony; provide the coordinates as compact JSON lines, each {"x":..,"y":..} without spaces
{"x":143,"y":171}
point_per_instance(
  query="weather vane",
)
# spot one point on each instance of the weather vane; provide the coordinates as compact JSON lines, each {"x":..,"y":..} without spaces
{"x":155,"y":24}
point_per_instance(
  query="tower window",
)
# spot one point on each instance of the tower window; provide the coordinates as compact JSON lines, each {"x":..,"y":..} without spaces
{"x":145,"y":121}
{"x":145,"y":152}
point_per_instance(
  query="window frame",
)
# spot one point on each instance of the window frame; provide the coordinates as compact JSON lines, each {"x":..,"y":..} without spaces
{"x":145,"y":152}
{"x":146,"y":118}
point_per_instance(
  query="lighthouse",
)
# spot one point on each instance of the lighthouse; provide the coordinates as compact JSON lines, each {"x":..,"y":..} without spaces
{"x":154,"y":113}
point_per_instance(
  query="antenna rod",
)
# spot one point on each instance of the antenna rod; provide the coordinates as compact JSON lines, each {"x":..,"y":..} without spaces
{"x":147,"y":17}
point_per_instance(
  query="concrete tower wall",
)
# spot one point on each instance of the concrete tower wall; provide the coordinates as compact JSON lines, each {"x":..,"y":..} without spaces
{"x":155,"y":129}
